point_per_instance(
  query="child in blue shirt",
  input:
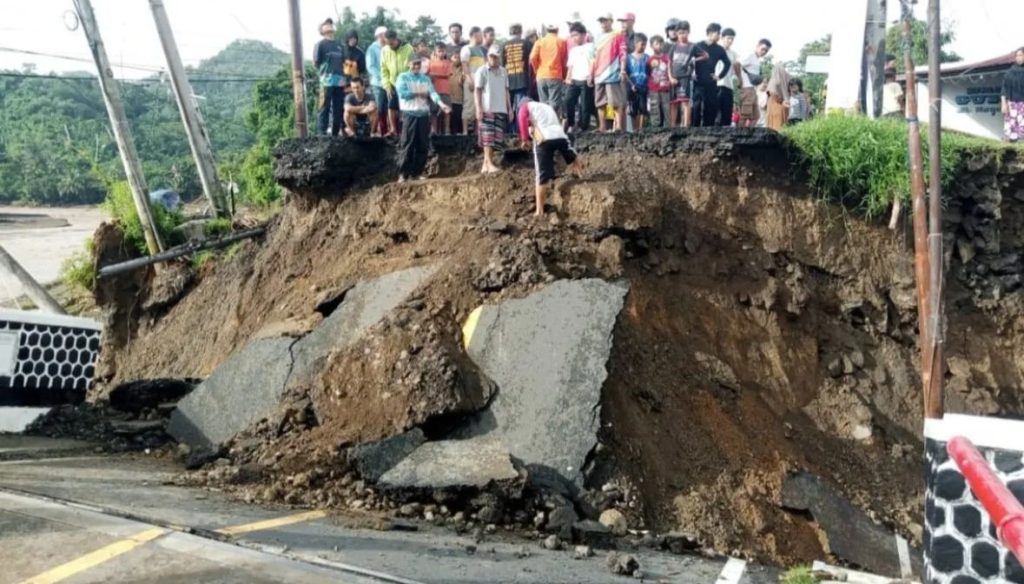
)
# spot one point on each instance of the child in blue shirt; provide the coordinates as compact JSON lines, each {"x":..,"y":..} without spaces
{"x":636,"y":68}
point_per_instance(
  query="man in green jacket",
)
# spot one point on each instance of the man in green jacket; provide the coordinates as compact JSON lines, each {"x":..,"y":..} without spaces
{"x":394,"y":61}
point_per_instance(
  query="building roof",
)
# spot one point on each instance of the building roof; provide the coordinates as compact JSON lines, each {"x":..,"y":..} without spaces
{"x":961,"y":68}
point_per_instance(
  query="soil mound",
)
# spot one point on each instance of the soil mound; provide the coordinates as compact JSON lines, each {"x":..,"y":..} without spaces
{"x":764,"y":333}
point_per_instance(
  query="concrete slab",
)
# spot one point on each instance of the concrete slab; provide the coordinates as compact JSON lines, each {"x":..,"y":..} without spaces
{"x":245,"y":388}
{"x":547,"y":353}
{"x":363,"y":306}
{"x":373,"y":459}
{"x":15,"y":419}
{"x":476,"y":462}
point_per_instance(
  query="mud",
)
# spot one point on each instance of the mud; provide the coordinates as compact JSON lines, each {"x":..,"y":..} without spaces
{"x":765,"y":333}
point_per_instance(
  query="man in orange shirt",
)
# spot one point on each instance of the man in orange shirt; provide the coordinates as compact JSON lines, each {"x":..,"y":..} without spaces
{"x":548,"y":60}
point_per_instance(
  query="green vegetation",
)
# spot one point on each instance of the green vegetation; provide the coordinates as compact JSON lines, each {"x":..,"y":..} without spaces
{"x":79,"y":270}
{"x":862,"y":163}
{"x":798,"y":575}
{"x":201,"y":259}
{"x":121,"y":206}
{"x":919,"y":48}
{"x":218,"y":227}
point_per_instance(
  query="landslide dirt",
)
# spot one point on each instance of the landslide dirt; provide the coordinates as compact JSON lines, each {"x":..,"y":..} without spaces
{"x":764,"y":332}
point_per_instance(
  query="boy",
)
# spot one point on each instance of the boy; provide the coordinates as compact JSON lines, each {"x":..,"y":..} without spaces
{"x":549,"y":138}
{"x":683,"y":56}
{"x":636,"y":67}
{"x":493,"y":107}
{"x":360,"y":110}
{"x":659,"y":88}
{"x":456,"y":92}
{"x":440,"y":72}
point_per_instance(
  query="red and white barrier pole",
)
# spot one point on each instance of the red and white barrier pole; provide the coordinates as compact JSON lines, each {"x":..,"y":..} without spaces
{"x":1005,"y":510}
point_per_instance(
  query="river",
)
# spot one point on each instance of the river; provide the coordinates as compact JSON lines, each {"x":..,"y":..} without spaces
{"x":41,"y":238}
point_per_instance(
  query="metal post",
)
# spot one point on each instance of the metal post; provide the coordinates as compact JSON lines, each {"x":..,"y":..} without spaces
{"x":119,"y":124}
{"x":298,"y":70}
{"x":921,"y":256}
{"x":934,"y":393}
{"x":37,"y":293}
{"x":195,"y":128}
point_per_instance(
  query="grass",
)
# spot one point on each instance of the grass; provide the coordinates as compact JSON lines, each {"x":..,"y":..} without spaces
{"x":79,"y":270}
{"x":121,"y":206}
{"x":218,"y":227}
{"x":798,"y":575}
{"x":863,"y":163}
{"x":201,"y":259}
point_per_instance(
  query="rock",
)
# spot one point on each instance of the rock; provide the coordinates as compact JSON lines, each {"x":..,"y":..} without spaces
{"x":410,"y":510}
{"x":548,"y":409}
{"x":523,"y":552}
{"x":622,"y":564}
{"x":489,"y":514}
{"x":136,"y":396}
{"x":847,"y":365}
{"x":135,"y":427}
{"x":857,"y":358}
{"x":610,"y":254}
{"x":456,"y":464}
{"x":561,"y":520}
{"x":680,"y":543}
{"x":592,"y":533}
{"x":582,"y":552}
{"x":1007,"y":264}
{"x":650,"y":541}
{"x":552,"y":543}
{"x":835,"y":367}
{"x":201,"y":456}
{"x":470,"y":549}
{"x":615,"y":521}
{"x":499,"y":226}
{"x":373,"y":459}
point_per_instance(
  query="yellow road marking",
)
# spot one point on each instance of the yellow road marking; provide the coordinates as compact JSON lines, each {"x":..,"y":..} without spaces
{"x":272,"y":523}
{"x":91,"y":560}
{"x":470,"y":327}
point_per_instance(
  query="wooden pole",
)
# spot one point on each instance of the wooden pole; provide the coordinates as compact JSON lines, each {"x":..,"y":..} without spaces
{"x":298,"y":70}
{"x":917,"y":187}
{"x":191,"y":117}
{"x":119,"y":123}
{"x":934,"y":392}
{"x":37,"y":293}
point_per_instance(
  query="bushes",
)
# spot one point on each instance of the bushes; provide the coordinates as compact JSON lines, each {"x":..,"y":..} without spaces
{"x":121,"y":206}
{"x":864,"y":163}
{"x":79,"y":270}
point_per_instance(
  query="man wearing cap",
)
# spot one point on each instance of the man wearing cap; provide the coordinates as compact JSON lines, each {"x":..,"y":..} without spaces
{"x":548,"y":59}
{"x":373,"y":60}
{"x":548,"y":139}
{"x":329,"y":59}
{"x":492,"y":106}
{"x":515,"y":58}
{"x":610,"y":48}
{"x":415,"y":92}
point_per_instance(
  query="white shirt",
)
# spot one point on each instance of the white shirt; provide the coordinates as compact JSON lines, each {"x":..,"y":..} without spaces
{"x":545,"y":122}
{"x":752,"y":64}
{"x":581,"y":62}
{"x":891,"y":94}
{"x":494,"y":85}
{"x":730,"y":77}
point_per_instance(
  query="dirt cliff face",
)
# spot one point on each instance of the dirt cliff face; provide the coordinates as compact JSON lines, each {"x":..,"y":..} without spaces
{"x":765,"y":332}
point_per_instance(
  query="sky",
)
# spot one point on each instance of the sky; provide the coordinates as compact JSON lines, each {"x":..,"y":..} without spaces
{"x":984,"y":28}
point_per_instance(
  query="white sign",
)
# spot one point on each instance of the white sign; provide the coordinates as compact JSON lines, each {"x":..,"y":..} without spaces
{"x":8,"y":352}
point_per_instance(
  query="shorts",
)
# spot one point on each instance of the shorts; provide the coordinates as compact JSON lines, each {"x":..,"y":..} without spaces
{"x":492,"y":130}
{"x":748,"y":104}
{"x":611,"y":94}
{"x":638,"y":102}
{"x":393,"y":101}
{"x":682,"y":91}
{"x":363,"y":126}
{"x":544,"y":158}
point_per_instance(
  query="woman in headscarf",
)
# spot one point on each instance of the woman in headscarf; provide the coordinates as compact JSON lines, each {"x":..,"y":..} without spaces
{"x":1013,"y":99}
{"x":778,"y":98}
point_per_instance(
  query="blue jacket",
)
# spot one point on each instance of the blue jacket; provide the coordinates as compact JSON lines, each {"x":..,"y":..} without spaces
{"x":407,"y":86}
{"x":373,"y":65}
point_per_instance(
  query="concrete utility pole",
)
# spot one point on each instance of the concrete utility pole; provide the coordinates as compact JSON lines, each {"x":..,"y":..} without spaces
{"x":37,"y":293}
{"x":298,"y":70}
{"x":195,"y":127}
{"x":119,"y":123}
{"x":876,"y":52}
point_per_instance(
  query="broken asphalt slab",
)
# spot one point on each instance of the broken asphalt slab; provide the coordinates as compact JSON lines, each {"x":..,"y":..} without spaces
{"x":547,"y":353}
{"x":475,"y":463}
{"x":851,"y":535}
{"x":249,"y":385}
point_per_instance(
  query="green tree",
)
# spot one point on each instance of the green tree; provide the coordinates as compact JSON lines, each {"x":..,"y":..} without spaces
{"x":919,"y":47}
{"x":814,"y":83}
{"x":424,"y":27}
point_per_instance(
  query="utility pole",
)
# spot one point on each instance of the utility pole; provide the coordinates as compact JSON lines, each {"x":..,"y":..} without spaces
{"x":876,"y":52}
{"x":195,"y":127}
{"x":119,"y":122}
{"x":37,"y":293}
{"x":934,"y":394}
{"x":298,"y":70}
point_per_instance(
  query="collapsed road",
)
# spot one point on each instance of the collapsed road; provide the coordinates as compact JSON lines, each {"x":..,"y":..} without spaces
{"x":666,"y":359}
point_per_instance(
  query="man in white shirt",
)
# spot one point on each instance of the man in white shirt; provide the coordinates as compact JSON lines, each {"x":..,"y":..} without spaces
{"x":893,"y":99}
{"x":750,"y":79}
{"x":493,"y":104}
{"x":539,"y":123}
{"x":579,"y":79}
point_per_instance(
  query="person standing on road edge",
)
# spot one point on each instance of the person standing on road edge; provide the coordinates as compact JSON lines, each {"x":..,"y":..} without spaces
{"x":681,"y":58}
{"x":636,"y":73}
{"x":457,"y":89}
{"x":373,"y":62}
{"x":395,"y":59}
{"x":659,"y":87}
{"x":750,"y":82}
{"x":548,"y":59}
{"x":609,"y":62}
{"x":493,"y":104}
{"x":548,"y":138}
{"x":579,"y":80}
{"x":415,"y":92}
{"x":1012,"y":98}
{"x":705,"y":85}
{"x":515,"y":57}
{"x":440,"y":72}
{"x":727,"y":85}
{"x":474,"y":56}
{"x":329,"y":60}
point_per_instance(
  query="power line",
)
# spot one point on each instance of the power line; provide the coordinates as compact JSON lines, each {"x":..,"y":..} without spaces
{"x":147,"y":80}
{"x":78,"y":59}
